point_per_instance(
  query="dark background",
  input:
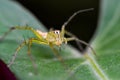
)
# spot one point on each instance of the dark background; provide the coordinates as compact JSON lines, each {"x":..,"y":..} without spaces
{"x":53,"y":13}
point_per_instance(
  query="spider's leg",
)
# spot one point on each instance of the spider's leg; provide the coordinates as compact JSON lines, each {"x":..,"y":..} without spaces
{"x":6,"y":33}
{"x":30,"y":41}
{"x":77,"y":42}
{"x":21,"y":28}
{"x":74,"y":38}
{"x":79,"y":46}
{"x":29,"y":53}
{"x":56,"y":53}
{"x":71,"y":17}
{"x":15,"y":54}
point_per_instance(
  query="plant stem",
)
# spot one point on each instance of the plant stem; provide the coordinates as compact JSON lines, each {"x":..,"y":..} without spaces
{"x":96,"y":68}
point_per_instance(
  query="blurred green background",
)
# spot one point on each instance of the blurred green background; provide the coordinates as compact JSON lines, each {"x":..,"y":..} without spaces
{"x":53,"y":13}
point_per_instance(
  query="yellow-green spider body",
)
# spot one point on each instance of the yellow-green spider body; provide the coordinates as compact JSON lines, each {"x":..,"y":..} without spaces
{"x":51,"y":38}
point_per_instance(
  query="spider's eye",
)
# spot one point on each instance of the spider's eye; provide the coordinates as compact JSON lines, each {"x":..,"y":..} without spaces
{"x":57,"y":32}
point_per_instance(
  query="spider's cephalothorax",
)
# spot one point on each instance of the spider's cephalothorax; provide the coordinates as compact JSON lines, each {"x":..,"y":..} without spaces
{"x":53,"y":37}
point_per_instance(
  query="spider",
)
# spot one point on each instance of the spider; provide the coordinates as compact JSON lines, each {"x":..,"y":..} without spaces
{"x":51,"y":38}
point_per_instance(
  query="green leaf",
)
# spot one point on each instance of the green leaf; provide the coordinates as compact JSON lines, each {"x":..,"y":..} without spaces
{"x":106,"y":41}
